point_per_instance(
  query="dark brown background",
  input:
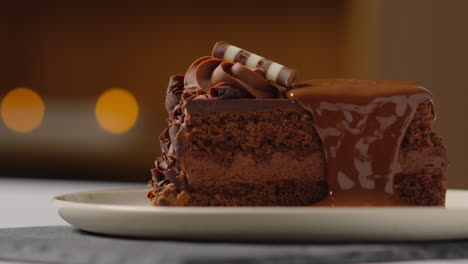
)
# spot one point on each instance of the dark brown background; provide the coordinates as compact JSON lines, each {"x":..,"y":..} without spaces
{"x":71,"y":52}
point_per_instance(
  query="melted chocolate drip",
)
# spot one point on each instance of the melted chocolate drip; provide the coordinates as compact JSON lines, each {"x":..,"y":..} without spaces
{"x":361,"y":125}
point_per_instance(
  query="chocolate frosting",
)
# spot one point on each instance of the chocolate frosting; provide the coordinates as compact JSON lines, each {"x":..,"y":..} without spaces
{"x":361,"y":125}
{"x":236,"y":80}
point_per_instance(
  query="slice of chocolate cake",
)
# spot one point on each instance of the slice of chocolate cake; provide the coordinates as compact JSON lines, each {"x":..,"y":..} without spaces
{"x":241,"y":133}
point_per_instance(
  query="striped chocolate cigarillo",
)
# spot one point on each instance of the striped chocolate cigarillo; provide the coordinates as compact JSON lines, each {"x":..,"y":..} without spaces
{"x":274,"y":72}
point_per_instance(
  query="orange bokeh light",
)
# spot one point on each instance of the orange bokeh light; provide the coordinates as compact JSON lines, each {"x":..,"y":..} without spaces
{"x":116,"y":110}
{"x":22,"y":110}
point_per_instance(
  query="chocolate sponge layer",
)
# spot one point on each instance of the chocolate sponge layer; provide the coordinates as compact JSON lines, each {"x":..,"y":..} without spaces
{"x":424,"y":162}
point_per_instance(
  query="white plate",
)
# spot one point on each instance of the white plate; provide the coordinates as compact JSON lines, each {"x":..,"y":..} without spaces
{"x":126,"y":212}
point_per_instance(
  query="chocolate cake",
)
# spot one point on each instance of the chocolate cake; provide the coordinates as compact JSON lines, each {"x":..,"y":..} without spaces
{"x":243,"y":133}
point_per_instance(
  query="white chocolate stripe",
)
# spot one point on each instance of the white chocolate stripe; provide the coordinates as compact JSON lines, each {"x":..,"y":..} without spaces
{"x":231,"y":52}
{"x":252,"y":61}
{"x":273,"y":71}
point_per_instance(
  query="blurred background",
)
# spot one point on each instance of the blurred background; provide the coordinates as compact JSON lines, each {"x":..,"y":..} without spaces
{"x":82,"y":83}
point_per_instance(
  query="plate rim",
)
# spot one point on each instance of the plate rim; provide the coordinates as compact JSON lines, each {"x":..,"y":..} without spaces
{"x":61,"y":201}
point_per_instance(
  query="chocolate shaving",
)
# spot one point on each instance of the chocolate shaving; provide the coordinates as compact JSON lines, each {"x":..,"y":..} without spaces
{"x":161,"y":163}
{"x":165,"y":140}
{"x":175,"y":113}
{"x":166,"y":162}
{"x":172,"y":100}
{"x":175,"y":82}
{"x":177,"y":179}
{"x":150,"y":194}
{"x":171,"y":162}
{"x":174,"y":92}
{"x":163,"y":182}
{"x":171,"y":174}
{"x":157,"y":174}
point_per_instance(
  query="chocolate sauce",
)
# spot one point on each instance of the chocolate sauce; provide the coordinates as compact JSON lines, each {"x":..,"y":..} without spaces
{"x":361,"y":125}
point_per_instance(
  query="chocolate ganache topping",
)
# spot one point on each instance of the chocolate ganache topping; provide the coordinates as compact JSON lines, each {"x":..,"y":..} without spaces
{"x":361,"y":125}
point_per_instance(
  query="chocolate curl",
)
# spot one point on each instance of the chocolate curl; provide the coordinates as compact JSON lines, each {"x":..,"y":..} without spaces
{"x":178,"y":180}
{"x":176,"y":82}
{"x":161,"y":163}
{"x":275,"y":72}
{"x":163,"y":182}
{"x":173,"y":149}
{"x":157,"y":175}
{"x":176,"y":112}
{"x":171,"y":174}
{"x":150,"y":194}
{"x":165,"y":141}
{"x":174,"y":92}
{"x":166,"y":162}
{"x":226,"y":91}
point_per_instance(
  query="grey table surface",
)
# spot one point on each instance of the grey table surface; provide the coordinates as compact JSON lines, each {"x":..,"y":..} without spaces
{"x":64,"y":244}
{"x":32,"y":232}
